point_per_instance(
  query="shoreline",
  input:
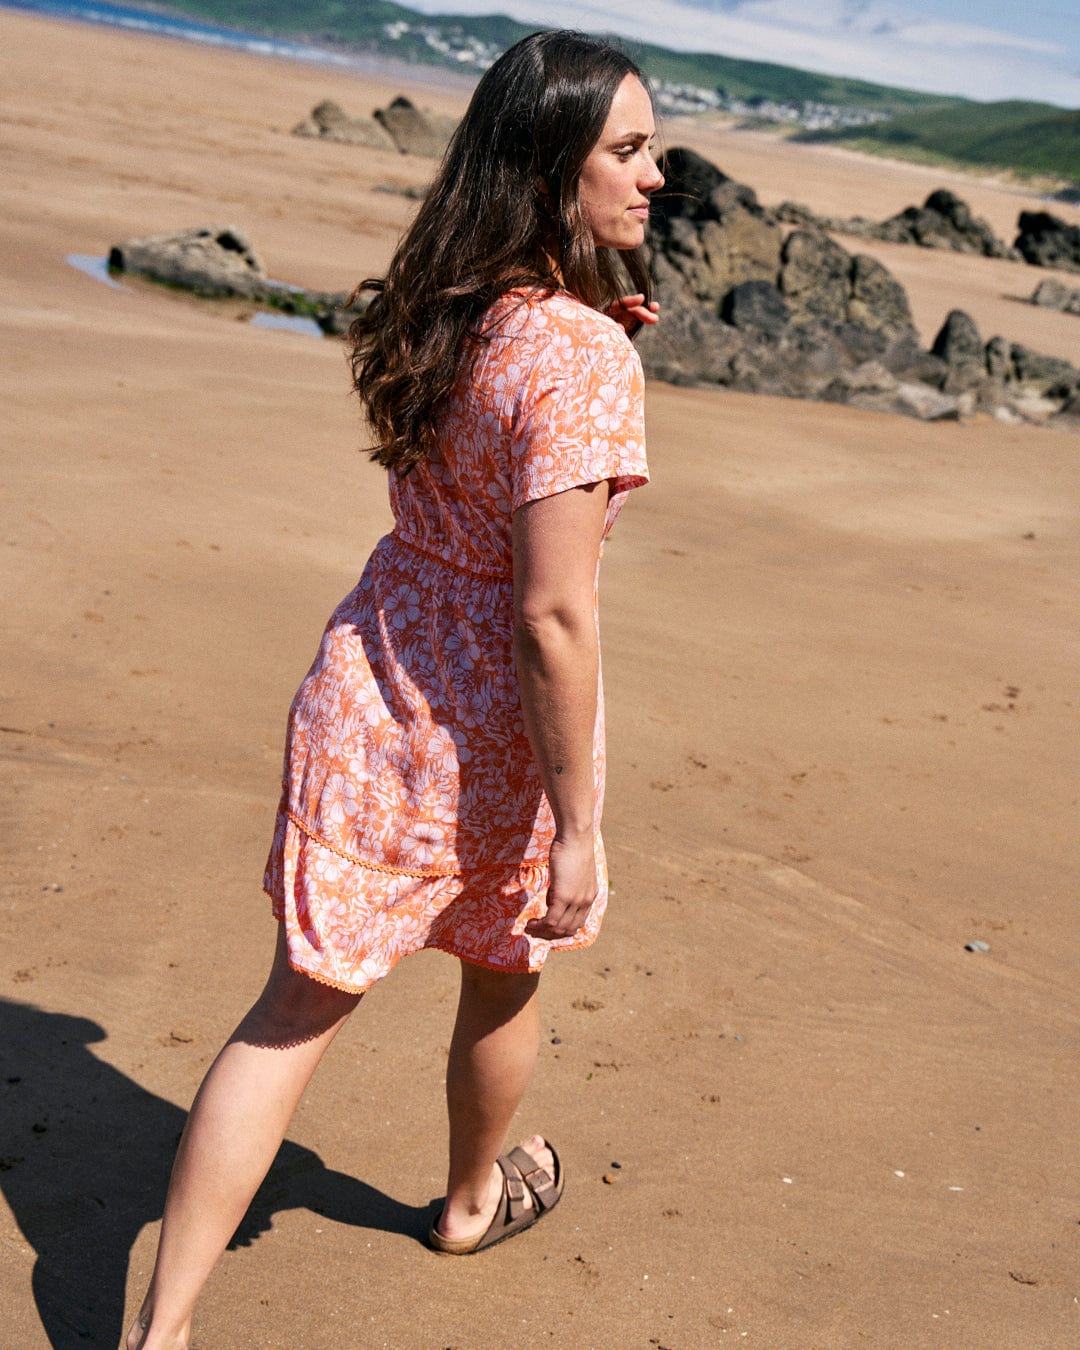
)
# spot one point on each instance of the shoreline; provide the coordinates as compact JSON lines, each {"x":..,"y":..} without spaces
{"x":299,"y":48}
{"x":307,"y":49}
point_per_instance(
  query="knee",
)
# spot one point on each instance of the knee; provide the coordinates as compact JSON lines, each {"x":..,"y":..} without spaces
{"x":293,"y":1008}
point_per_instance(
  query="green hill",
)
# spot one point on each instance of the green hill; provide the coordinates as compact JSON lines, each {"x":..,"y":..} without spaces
{"x":1029,"y":137}
{"x":362,"y":23}
{"x":763,"y":79}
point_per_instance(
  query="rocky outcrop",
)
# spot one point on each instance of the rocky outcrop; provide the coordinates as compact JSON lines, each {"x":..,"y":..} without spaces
{"x":1048,"y":241}
{"x":400,"y":126}
{"x":1051,"y":294}
{"x":1003,"y":374}
{"x":219,"y":262}
{"x":744,"y":307}
{"x":748,"y":308}
{"x":415,"y":132}
{"x":212,"y":261}
{"x":943,"y":221}
{"x":331,"y":122}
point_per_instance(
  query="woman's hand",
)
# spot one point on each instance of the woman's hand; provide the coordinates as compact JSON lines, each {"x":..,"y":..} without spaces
{"x":631,"y":312}
{"x":571,"y":889}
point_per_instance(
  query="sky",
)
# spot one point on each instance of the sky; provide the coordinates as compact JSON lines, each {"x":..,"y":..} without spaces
{"x":982,"y":49}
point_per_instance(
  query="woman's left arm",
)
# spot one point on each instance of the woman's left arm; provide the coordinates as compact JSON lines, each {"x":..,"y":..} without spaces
{"x":556,"y":543}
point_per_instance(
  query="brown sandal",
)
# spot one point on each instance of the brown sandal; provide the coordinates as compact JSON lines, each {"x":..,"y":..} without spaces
{"x":520,"y":1173}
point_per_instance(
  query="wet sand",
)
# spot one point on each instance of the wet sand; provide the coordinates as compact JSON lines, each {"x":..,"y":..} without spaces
{"x":841,"y":657}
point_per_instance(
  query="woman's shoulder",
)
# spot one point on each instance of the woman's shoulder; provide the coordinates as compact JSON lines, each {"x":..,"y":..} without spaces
{"x":541,"y":316}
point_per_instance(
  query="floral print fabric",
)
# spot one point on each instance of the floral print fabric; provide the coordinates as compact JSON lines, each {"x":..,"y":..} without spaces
{"x":412,"y":813}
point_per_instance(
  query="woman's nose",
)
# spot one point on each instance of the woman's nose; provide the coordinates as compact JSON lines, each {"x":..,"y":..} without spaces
{"x":654,"y":179}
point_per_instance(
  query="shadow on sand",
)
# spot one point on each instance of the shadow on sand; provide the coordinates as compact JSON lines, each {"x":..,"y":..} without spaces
{"x":84,"y":1163}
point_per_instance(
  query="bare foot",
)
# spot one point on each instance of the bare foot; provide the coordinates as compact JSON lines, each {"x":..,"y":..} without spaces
{"x":461,"y":1223}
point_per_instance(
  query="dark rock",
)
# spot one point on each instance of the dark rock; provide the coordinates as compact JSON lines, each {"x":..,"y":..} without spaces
{"x":755,"y":305}
{"x":945,"y":221}
{"x":877,"y":300}
{"x":798,"y":317}
{"x":212,"y":261}
{"x":1048,"y":376}
{"x":690,"y":178}
{"x":794,"y":213}
{"x":328,"y":115}
{"x":220,"y":263}
{"x":913,"y":364}
{"x":414,"y":132}
{"x":814,"y":276}
{"x":331,"y":122}
{"x":1046,"y":240}
{"x":1051,"y":294}
{"x":401,"y":126}
{"x":869,"y":380}
{"x":959,"y":345}
{"x":1068,"y":415}
{"x":958,"y":342}
{"x":999,"y":360}
{"x":710,"y":230}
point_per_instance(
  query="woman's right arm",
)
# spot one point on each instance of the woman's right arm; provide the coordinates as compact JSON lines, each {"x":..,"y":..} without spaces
{"x":556,"y":545}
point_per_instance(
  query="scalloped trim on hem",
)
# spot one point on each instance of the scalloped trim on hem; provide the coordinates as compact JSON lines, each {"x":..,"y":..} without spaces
{"x":427,"y":947}
{"x":314,"y":974}
{"x":507,"y":970}
{"x":422,"y":873}
{"x":477,"y":961}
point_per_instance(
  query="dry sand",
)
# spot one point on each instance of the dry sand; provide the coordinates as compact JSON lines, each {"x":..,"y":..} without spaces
{"x":841,"y":653}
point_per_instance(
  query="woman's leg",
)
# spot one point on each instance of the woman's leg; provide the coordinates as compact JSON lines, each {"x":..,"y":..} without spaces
{"x":492,"y":1056}
{"x":237,"y":1122}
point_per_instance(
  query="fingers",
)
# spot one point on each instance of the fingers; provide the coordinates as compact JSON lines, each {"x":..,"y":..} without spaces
{"x":572,"y":888}
{"x":635,"y":306}
{"x":632,"y":310}
{"x":562,"y":920}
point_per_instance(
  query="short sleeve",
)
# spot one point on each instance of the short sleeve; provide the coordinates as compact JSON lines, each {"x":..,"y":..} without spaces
{"x":581,"y":416}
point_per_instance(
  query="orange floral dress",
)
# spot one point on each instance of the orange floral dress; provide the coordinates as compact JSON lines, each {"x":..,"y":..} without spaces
{"x":412,"y":813}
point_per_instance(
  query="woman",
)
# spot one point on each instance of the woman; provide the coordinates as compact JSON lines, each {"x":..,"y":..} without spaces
{"x":444,"y":765}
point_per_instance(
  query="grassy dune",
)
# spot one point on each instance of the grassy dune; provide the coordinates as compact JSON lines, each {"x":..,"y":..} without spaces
{"x":1032,"y":138}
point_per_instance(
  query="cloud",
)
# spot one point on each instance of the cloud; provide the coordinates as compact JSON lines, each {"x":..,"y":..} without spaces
{"x":865,"y":39}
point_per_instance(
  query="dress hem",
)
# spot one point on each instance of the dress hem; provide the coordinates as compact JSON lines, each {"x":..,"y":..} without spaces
{"x":427,"y":947}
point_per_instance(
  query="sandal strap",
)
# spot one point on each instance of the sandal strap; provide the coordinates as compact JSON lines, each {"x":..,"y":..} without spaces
{"x":538,"y":1179}
{"x":513,"y":1188}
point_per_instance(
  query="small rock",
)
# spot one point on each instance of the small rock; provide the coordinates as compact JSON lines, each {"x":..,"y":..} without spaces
{"x":976,"y":945}
{"x":609,"y":1180}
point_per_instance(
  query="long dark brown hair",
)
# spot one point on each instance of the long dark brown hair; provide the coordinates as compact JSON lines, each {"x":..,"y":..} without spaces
{"x":503,"y":212}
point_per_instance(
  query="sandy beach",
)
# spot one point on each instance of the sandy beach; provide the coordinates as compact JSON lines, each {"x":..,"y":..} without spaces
{"x":841,"y":656}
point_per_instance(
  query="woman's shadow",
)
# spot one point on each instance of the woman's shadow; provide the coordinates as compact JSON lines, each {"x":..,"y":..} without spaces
{"x":85,"y":1155}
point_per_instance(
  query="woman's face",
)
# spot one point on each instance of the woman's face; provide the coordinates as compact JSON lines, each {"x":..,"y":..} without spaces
{"x":620,"y":173}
